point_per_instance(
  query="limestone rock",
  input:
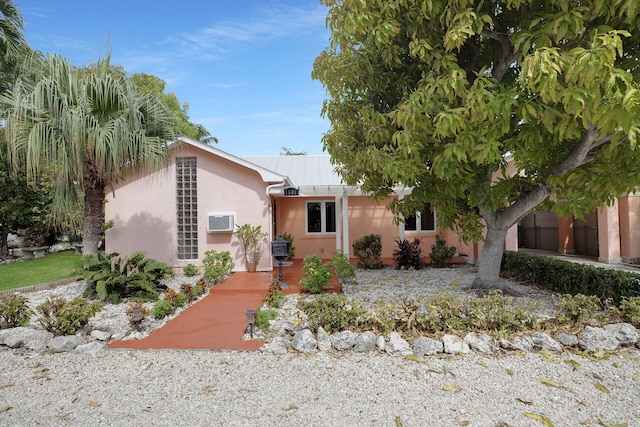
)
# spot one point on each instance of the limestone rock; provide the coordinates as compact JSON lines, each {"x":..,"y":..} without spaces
{"x":343,"y":340}
{"x":597,"y":339}
{"x":324,"y":341}
{"x":542,"y":341}
{"x":99,"y":335}
{"x":92,"y":348}
{"x":454,"y":345}
{"x":65,"y":343}
{"x":523,"y":344}
{"x":569,"y":340}
{"x":396,"y":345}
{"x":277,"y":346}
{"x":425,"y":346}
{"x":29,"y":338}
{"x":481,"y":343}
{"x":381,"y":343}
{"x":625,"y":333}
{"x":365,"y":342}
{"x":304,"y":342}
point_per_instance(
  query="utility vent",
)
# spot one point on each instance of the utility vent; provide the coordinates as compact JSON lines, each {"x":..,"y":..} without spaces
{"x":220,"y":223}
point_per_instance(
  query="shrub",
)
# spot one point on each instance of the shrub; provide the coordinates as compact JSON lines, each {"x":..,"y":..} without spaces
{"x":334,"y":312}
{"x":197,"y":290}
{"x":630,"y":308}
{"x":161,"y":309}
{"x":571,"y":278}
{"x":274,"y":295}
{"x":14,"y":311}
{"x":187,"y":290}
{"x":316,"y":275}
{"x":292,"y":250}
{"x":341,"y":266}
{"x":217,"y":265}
{"x":111,"y":279}
{"x":389,"y":316}
{"x":62,"y":317}
{"x":171,"y":296}
{"x":190,"y":270}
{"x":441,"y":254}
{"x":577,"y":308}
{"x":498,"y":313}
{"x":408,"y":254}
{"x":368,"y":249}
{"x":263,"y":317}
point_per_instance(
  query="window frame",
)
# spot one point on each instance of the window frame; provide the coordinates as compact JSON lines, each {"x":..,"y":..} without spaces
{"x":323,"y":218}
{"x":418,"y":221}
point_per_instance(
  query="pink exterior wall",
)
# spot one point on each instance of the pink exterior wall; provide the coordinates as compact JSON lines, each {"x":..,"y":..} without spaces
{"x":629,"y":209}
{"x":368,"y":217}
{"x":609,"y":234}
{"x":144,"y":210}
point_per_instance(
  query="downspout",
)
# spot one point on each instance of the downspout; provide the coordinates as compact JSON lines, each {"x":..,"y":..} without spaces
{"x":268,"y":193}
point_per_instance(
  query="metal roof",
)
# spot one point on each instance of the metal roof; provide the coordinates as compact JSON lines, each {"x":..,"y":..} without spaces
{"x":302,"y":171}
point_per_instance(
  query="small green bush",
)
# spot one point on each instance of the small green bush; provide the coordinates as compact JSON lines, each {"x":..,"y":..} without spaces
{"x":630,"y":308}
{"x":197,"y":290}
{"x":274,"y":295}
{"x":190,"y":270}
{"x":62,"y":317}
{"x":368,"y":250}
{"x":14,"y":311}
{"x":217,"y":265}
{"x":161,"y":309}
{"x":441,"y":254}
{"x":334,"y":312}
{"x":341,"y":266}
{"x":292,"y":250}
{"x":264,"y":316}
{"x":408,"y":254}
{"x":499,"y":314}
{"x":316,"y":275}
{"x":577,"y":308}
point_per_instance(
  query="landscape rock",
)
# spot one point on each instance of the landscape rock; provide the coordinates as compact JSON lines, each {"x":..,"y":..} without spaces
{"x":523,"y":344}
{"x":381,"y":343}
{"x":425,"y":346}
{"x":324,"y":341}
{"x":343,"y":340}
{"x":29,"y":338}
{"x":542,"y":341}
{"x":304,"y":342}
{"x":396,"y":345}
{"x":365,"y":342}
{"x":598,"y":339}
{"x":65,"y":343}
{"x":92,"y":348}
{"x":625,"y":333}
{"x":569,"y":340}
{"x":454,"y":345}
{"x":100,"y":335}
{"x":277,"y":346}
{"x":481,"y":343}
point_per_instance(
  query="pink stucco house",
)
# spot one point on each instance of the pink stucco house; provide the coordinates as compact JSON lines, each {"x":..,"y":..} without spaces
{"x":177,"y":214}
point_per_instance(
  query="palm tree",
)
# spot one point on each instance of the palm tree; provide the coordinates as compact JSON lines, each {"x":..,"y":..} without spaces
{"x":11,"y":25}
{"x":91,"y":128}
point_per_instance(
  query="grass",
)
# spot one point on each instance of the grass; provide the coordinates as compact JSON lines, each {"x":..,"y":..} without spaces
{"x":51,"y":268}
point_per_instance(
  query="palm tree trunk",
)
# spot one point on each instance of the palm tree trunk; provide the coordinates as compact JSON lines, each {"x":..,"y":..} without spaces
{"x":93,"y":219}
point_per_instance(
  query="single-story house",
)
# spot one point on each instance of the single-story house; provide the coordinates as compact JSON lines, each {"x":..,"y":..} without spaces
{"x":177,"y":214}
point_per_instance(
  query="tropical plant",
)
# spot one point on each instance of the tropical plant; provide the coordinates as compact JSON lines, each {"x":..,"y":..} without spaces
{"x":190,"y":270}
{"x":252,"y":240}
{"x":217,"y":265}
{"x":112,"y":278}
{"x":88,"y":128}
{"x":333,"y":312}
{"x":368,"y":249}
{"x":440,"y":97}
{"x":62,"y":317}
{"x":292,"y":250}
{"x":263,"y":317}
{"x":408,"y":254}
{"x":316,"y":275}
{"x":14,"y":311}
{"x":441,"y":254}
{"x":12,"y":42}
{"x":341,"y":266}
{"x":274,"y":295}
{"x":161,"y":309}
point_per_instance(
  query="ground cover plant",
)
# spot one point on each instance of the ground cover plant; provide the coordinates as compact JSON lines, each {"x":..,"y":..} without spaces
{"x":51,"y":268}
{"x":62,"y":317}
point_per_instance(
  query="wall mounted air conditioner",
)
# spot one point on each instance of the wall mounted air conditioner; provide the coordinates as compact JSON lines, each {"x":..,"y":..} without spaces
{"x":220,"y":222}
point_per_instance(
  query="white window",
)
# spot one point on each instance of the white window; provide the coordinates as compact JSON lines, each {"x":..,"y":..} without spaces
{"x":425,"y":220}
{"x":321,"y":217}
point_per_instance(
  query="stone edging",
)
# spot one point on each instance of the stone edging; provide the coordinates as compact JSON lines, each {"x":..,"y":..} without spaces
{"x":37,"y":288}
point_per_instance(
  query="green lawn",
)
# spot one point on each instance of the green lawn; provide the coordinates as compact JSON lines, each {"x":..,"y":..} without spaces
{"x":53,"y":267}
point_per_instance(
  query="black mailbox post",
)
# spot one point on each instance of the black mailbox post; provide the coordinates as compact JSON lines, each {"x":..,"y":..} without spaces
{"x":280,"y":251}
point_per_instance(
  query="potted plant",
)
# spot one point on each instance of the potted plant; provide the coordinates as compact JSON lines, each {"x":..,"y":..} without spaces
{"x":252,"y":240}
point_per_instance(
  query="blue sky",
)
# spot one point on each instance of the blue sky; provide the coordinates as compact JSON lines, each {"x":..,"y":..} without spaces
{"x":244,"y":66}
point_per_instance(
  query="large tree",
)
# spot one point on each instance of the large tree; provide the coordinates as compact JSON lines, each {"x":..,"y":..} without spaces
{"x":441,"y":96}
{"x":90,"y":128}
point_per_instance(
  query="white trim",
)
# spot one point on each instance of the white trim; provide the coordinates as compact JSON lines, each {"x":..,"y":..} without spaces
{"x":323,"y":218}
{"x":345,"y":220}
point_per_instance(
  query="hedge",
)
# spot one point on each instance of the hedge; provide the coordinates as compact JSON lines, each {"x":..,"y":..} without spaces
{"x":571,"y":278}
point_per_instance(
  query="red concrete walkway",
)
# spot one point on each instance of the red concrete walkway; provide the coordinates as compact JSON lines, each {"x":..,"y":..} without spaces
{"x":218,"y":321}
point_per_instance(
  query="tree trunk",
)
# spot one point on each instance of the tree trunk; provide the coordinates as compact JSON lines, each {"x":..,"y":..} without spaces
{"x":488,"y":277}
{"x":93,"y":219}
{"x":4,"y":246}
